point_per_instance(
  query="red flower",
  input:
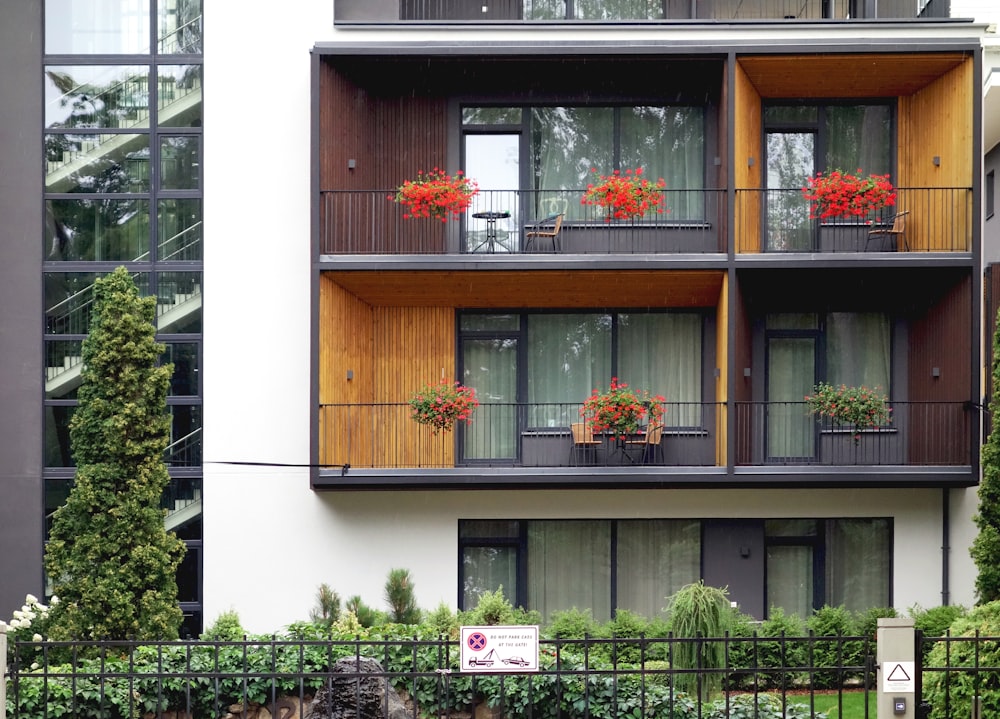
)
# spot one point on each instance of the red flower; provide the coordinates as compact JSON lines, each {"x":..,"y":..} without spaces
{"x":625,"y":195}
{"x":436,"y":194}
{"x":841,"y":194}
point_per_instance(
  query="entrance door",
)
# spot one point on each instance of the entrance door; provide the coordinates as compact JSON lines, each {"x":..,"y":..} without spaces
{"x":493,"y":161}
{"x":490,"y":365}
{"x":790,"y":161}
{"x":791,"y":375}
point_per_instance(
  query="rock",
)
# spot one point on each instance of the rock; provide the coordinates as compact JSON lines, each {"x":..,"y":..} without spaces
{"x":350,"y":694}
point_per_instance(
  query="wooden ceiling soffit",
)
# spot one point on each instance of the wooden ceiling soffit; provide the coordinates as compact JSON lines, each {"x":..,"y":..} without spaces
{"x":846,"y":75}
{"x":541,"y":289}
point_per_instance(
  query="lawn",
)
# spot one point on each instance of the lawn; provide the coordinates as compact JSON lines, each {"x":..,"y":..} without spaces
{"x":853,"y":704}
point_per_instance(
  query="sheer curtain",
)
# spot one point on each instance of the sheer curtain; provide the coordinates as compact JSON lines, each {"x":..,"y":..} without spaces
{"x":487,"y":569}
{"x":567,"y":142}
{"x":858,"y":137}
{"x":655,"y":559}
{"x":858,"y":349}
{"x":490,"y":367}
{"x":569,"y":565}
{"x":668,"y":142}
{"x":569,"y":355}
{"x":661,"y":353}
{"x":858,"y":563}
{"x":790,"y":579}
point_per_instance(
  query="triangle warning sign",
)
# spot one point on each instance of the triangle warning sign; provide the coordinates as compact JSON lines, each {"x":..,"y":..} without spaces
{"x":898,"y":674}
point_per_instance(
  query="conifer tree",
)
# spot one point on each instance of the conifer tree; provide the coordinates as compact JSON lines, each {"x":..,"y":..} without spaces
{"x":112,"y":563}
{"x":986,"y":547}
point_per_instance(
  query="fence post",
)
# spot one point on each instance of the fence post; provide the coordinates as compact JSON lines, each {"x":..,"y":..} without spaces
{"x":897,"y":669}
{"x":3,"y":671}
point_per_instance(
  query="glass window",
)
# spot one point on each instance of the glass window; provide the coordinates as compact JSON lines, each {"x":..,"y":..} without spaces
{"x":569,"y":565}
{"x":569,"y":355}
{"x":63,"y":362}
{"x":57,"y":444}
{"x":655,"y":559}
{"x":97,"y":96}
{"x":486,"y":323}
{"x":179,"y":230}
{"x":96,"y":27}
{"x":566,"y":144}
{"x":178,"y":302}
{"x":184,"y":356}
{"x":488,"y":569}
{"x":184,"y":448}
{"x":179,"y":95}
{"x":617,"y":10}
{"x":179,"y":26}
{"x":97,"y":230}
{"x":180,"y":162}
{"x":491,"y":116}
{"x":661,"y":353}
{"x":859,"y":563}
{"x":69,"y":300}
{"x":790,"y":584}
{"x":859,"y":137}
{"x":858,"y":349}
{"x":990,"y":193}
{"x":96,"y":163}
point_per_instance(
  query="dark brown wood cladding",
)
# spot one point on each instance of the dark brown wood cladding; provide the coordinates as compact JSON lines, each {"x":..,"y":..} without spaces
{"x":941,"y":339}
{"x":372,"y":142}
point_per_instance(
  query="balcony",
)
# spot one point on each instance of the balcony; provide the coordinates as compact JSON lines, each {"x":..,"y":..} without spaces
{"x":369,"y":222}
{"x":383,"y":436}
{"x":777,"y":220}
{"x":612,"y":11}
{"x":921,"y":434}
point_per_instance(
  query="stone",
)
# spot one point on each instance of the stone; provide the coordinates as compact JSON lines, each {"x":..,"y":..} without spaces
{"x":356,"y":690}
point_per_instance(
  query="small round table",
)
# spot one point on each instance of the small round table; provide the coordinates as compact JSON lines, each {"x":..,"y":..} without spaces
{"x":491,"y":217}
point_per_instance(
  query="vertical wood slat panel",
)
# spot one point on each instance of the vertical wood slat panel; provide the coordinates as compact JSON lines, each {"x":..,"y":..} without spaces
{"x":941,"y":337}
{"x":345,"y":344}
{"x":415,"y":347}
{"x":746,"y":136}
{"x":937,"y":121}
{"x":721,"y":383}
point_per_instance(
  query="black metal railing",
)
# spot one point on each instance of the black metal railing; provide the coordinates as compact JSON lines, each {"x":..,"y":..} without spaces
{"x":918,"y":434}
{"x":760,"y":676}
{"x":630,"y":11}
{"x":370,"y":222}
{"x":513,"y":435}
{"x":778,"y":220}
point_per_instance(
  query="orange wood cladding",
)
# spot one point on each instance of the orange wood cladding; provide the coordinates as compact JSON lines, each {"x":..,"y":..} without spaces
{"x":749,"y":162}
{"x":534,"y":289}
{"x":390,"y":352}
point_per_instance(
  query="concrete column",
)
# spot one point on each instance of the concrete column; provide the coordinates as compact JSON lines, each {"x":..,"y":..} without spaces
{"x":897,"y":669}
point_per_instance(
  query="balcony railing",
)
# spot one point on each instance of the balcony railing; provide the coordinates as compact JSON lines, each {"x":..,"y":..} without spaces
{"x":370,"y":222}
{"x":919,"y":434}
{"x":511,"y":435}
{"x":616,"y":10}
{"x":777,"y":220}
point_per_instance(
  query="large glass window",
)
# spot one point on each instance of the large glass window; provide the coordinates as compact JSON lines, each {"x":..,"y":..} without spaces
{"x":858,"y":349}
{"x":568,"y":143}
{"x":96,"y":27}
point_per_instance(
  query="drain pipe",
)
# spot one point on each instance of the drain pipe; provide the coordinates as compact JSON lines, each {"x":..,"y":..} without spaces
{"x":945,"y":543}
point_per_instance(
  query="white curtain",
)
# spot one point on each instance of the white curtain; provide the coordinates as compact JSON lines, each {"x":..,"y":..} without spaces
{"x":655,"y":559}
{"x":858,"y":349}
{"x":858,"y":563}
{"x":487,"y":569}
{"x":569,"y":565}
{"x":790,"y":579}
{"x":490,"y":368}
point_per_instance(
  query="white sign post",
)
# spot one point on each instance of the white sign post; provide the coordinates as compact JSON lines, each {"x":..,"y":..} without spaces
{"x":499,"y":649}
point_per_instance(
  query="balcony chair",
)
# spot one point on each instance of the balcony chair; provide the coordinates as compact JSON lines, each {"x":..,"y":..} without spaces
{"x":894,"y":235}
{"x":648,"y":444}
{"x":548,"y":227}
{"x":583,"y":443}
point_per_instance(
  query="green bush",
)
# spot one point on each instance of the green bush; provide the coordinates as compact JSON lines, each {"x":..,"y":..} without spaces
{"x":866,"y":622}
{"x":572,"y":624}
{"x":225,"y":628}
{"x":956,"y":689}
{"x":934,"y":622}
{"x":698,"y":611}
{"x":443,"y":622}
{"x":399,"y":593}
{"x":830,"y":648}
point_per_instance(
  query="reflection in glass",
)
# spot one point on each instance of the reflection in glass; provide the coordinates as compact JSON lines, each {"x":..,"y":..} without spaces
{"x":97,"y":230}
{"x":96,"y":163}
{"x":56,"y":493}
{"x":178,"y":302}
{"x":63,"y":362}
{"x":57,"y":451}
{"x":179,"y":26}
{"x":491,"y":116}
{"x":179,"y":95}
{"x":97,"y":96}
{"x":179,"y":230}
{"x":790,"y":160}
{"x":180,"y":162}
{"x":69,"y":300}
{"x":487,"y":569}
{"x":189,"y":572}
{"x":184,"y":448}
{"x":184,"y":356}
{"x":96,"y":27}
{"x":490,"y":367}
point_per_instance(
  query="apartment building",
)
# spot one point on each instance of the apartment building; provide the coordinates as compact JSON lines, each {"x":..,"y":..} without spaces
{"x":326,"y":307}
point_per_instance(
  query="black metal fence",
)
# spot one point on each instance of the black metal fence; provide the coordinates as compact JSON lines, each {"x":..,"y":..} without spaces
{"x":759,"y":676}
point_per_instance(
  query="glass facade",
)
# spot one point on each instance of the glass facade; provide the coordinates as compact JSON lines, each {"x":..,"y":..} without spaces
{"x":123,"y":186}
